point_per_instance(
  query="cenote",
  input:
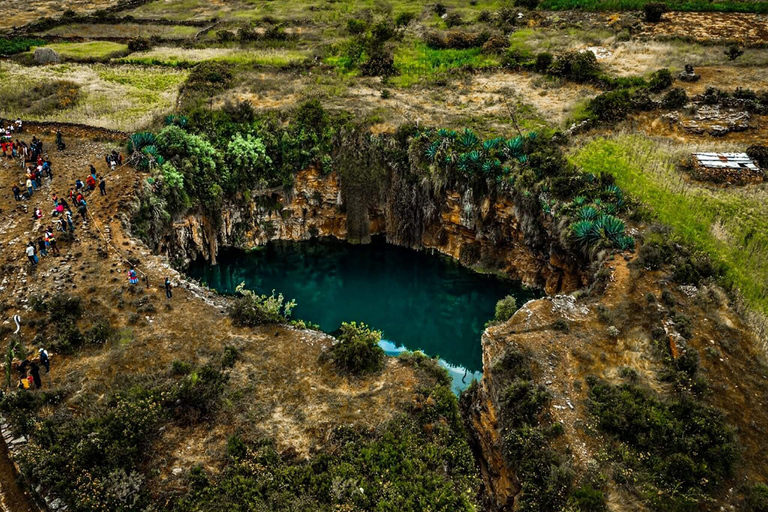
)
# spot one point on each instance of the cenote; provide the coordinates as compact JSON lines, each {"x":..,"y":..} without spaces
{"x":419,"y":300}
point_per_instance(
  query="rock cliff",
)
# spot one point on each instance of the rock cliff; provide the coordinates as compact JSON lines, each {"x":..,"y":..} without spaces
{"x":484,"y":234}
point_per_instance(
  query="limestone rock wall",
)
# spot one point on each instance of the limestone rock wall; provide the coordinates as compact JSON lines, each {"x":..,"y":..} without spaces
{"x":484,"y":234}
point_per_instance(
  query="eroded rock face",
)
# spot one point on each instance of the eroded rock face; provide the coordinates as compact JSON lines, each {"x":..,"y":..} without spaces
{"x":487,"y":234}
{"x":46,"y":56}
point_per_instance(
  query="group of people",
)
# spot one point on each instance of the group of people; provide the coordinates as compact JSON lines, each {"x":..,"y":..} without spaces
{"x":29,"y":371}
{"x":42,"y":245}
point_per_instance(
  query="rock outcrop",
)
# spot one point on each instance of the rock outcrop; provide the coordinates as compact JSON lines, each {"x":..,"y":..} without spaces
{"x":487,"y":235}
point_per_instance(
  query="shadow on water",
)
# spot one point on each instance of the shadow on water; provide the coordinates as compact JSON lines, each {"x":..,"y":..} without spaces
{"x":420,"y":301}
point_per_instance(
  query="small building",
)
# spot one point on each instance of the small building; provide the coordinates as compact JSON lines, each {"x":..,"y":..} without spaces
{"x":731,"y":168}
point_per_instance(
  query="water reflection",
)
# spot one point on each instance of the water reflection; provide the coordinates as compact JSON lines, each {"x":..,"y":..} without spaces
{"x":419,"y":300}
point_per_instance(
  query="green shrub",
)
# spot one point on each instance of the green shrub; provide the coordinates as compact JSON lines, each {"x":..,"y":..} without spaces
{"x":403,"y":19}
{"x":759,"y":154}
{"x":139,"y":45}
{"x":687,"y":447}
{"x":543,"y":61}
{"x":528,"y":4}
{"x":611,"y":106}
{"x":587,"y":499}
{"x":505,"y":308}
{"x":675,"y":98}
{"x":250,"y":309}
{"x":380,"y":62}
{"x":197,"y":394}
{"x":358,"y":351}
{"x":734,"y":52}
{"x":660,"y":80}
{"x":230,"y":356}
{"x":18,"y":45}
{"x":576,"y":66}
{"x":757,"y":498}
{"x":356,"y":26}
{"x":208,"y":77}
{"x":99,"y":333}
{"x":180,"y":367}
{"x":653,"y":11}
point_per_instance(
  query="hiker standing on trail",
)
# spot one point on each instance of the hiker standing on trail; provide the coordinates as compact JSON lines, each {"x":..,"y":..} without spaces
{"x":29,"y":186}
{"x":34,"y":370}
{"x":79,"y":185}
{"x":45,"y":360}
{"x":82,"y":209}
{"x":102,"y":185}
{"x":16,"y":192}
{"x":31,"y":254}
{"x":41,"y":245}
{"x":132,"y":277}
{"x":168,"y":292}
{"x":51,"y":239}
{"x":59,"y":141}
{"x":69,"y":221}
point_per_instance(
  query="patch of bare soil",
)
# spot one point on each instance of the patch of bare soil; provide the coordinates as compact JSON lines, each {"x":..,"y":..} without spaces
{"x":277,"y":387}
{"x":727,"y":78}
{"x":743,"y":28}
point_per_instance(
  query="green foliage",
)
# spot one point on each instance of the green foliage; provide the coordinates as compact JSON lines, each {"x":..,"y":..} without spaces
{"x":197,"y":394}
{"x":230,"y":356}
{"x":417,"y":460}
{"x":15,"y":350}
{"x":675,"y":98}
{"x":683,"y":449}
{"x":603,"y":231}
{"x":575,"y":66}
{"x":92,"y":463}
{"x":654,"y":10}
{"x":250,"y":309}
{"x":357,"y":351}
{"x":660,"y":80}
{"x":505,"y":308}
{"x":247,"y":160}
{"x":143,"y":151}
{"x":18,"y":45}
{"x":181,"y":367}
{"x":757,"y":498}
{"x":587,"y":499}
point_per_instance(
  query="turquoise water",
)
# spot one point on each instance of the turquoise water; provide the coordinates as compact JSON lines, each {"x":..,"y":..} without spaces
{"x":419,"y":300}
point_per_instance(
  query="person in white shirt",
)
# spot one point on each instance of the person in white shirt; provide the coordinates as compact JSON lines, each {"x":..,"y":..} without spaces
{"x":31,"y":254}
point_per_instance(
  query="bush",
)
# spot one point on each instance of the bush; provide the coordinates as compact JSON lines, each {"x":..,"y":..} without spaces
{"x":18,"y":45}
{"x":63,"y":307}
{"x":100,"y":333}
{"x":653,"y":11}
{"x":528,"y":4}
{"x":543,"y":61}
{"x":757,"y":498}
{"x":611,"y":106}
{"x":404,"y":19}
{"x":587,"y":499}
{"x":180,"y":367}
{"x":687,"y":447}
{"x":440,"y":9}
{"x":734,"y":52}
{"x":576,"y":66}
{"x":453,"y":20}
{"x":251,"y":310}
{"x":209,"y":77}
{"x":197,"y":394}
{"x":358,"y":351}
{"x":496,"y":44}
{"x":381,"y":62}
{"x":675,"y":98}
{"x":355,"y":26}
{"x":505,"y":308}
{"x":660,"y":80}
{"x":139,"y":45}
{"x":759,"y":154}
{"x":230,"y":356}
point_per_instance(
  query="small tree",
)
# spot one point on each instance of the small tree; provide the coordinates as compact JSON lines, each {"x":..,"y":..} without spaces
{"x":505,"y":308}
{"x":653,"y":11}
{"x":734,"y":52}
{"x":251,"y":309}
{"x":358,"y":350}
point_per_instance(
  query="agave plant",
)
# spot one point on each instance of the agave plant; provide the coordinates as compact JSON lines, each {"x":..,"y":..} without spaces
{"x":514,"y":147}
{"x":585,"y":233}
{"x":138,"y":140}
{"x":625,"y":243}
{"x":431,"y":151}
{"x":143,"y":152}
{"x":468,"y":139}
{"x":587,"y":213}
{"x":579,"y":201}
{"x":610,"y":227}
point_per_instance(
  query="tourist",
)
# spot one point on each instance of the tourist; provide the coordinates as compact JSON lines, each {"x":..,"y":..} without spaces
{"x":34,"y":371}
{"x":82,"y":209}
{"x":41,"y":244}
{"x":102,"y":185}
{"x":132,"y":277}
{"x":45,"y":360}
{"x":168,"y":292}
{"x":37,"y":214}
{"x":71,"y":224}
{"x":60,"y":141}
{"x":79,"y":185}
{"x":16,"y":192}
{"x":51,"y":240}
{"x":90,"y":182}
{"x":18,"y":125}
{"x":31,"y":254}
{"x":29,"y":186}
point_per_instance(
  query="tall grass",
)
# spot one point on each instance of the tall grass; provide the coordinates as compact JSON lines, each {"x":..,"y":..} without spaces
{"x":418,"y":60}
{"x":731,"y":225}
{"x":675,"y":5}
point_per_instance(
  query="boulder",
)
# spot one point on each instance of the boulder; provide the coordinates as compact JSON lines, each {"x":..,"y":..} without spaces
{"x":46,"y":56}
